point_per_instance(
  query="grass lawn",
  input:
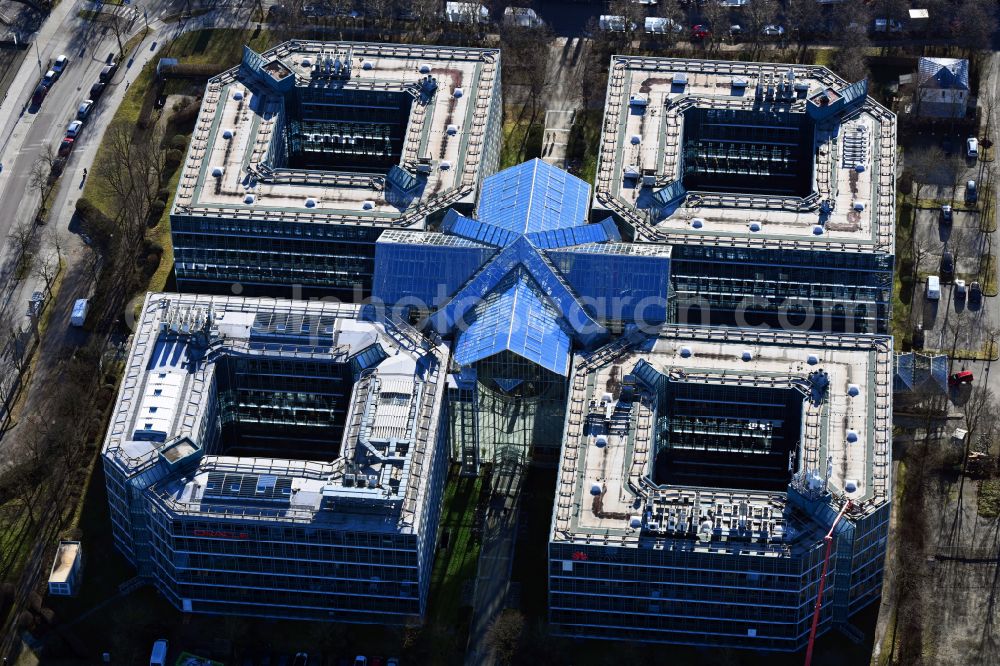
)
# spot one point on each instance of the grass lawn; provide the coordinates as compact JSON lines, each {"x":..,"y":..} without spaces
{"x":521,"y":142}
{"x":584,"y":141}
{"x":988,"y":498}
{"x":222,"y":47}
{"x":456,"y":563}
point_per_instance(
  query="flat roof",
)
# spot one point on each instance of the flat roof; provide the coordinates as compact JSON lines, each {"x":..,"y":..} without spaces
{"x":167,"y":397}
{"x":605,"y":490}
{"x":66,"y":557}
{"x":230,"y":172}
{"x":852,"y":204}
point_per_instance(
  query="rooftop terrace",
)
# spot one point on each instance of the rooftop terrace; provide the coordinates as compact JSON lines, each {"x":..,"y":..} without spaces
{"x":810,"y":409}
{"x":343,"y":133}
{"x":718,"y":152}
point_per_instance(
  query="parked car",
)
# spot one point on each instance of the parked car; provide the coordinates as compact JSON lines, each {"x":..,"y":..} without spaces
{"x":49,"y":78}
{"x":108,"y":72}
{"x":971,"y":194}
{"x":947,"y":263}
{"x":700,"y":31}
{"x":35,"y":304}
{"x":84,"y":109}
{"x":62,"y":62}
{"x":933,"y":287}
{"x":66,"y":147}
{"x":946,"y":214}
{"x":972,"y":147}
{"x":159,"y":654}
{"x":392,"y":661}
{"x":375,"y":661}
{"x":74,"y":128}
{"x":959,"y":290}
{"x":887,"y":25}
{"x":301,"y":659}
{"x":962,"y":377}
{"x":361,"y":660}
{"x":773,"y":31}
{"x":39,"y":95}
{"x":97,"y":90}
{"x":975,"y":292}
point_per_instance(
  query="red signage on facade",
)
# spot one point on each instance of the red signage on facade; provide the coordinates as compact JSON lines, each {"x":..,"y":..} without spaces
{"x":221,"y":535}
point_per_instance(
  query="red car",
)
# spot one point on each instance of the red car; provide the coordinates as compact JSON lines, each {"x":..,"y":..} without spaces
{"x":66,"y":147}
{"x":963,"y":377}
{"x":700,"y":31}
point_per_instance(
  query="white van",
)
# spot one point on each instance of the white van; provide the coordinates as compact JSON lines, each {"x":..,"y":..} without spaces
{"x":159,"y":655}
{"x":933,"y":287}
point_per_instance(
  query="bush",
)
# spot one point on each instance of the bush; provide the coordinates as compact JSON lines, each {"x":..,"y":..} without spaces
{"x":179,"y":141}
{"x":164,"y":194}
{"x":173,"y":158}
{"x":95,"y":224}
{"x":186,"y":114}
{"x":156,"y":210}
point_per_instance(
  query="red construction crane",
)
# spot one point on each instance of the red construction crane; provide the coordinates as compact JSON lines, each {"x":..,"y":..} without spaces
{"x":822,"y":582}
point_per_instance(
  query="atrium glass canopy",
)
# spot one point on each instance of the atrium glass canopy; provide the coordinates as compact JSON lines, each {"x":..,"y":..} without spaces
{"x":527,"y":275}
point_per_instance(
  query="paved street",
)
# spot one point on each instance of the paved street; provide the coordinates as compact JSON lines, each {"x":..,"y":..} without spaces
{"x":28,"y":132}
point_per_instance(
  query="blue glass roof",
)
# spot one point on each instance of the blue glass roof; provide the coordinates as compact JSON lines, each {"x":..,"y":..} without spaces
{"x":527,"y":275}
{"x":516,"y":317}
{"x":534,"y":196}
{"x":520,"y":253}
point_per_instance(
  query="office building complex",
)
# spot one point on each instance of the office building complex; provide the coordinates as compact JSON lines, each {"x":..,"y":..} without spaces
{"x":700,"y":349}
{"x":278,"y":458}
{"x":517,"y":288}
{"x":774,"y":185}
{"x":701,"y":469}
{"x":303,"y":155}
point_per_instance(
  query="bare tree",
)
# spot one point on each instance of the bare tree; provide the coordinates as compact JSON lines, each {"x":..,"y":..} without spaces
{"x":47,"y":270}
{"x":803,"y":18}
{"x":926,"y":164}
{"x":974,"y":25}
{"x":849,"y":60}
{"x":133,"y":171}
{"x":120,"y":21}
{"x":41,"y":175}
{"x":24,"y":242}
{"x":756,"y":15}
{"x":505,"y":635}
{"x":717,"y":18}
{"x":673,"y":13}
